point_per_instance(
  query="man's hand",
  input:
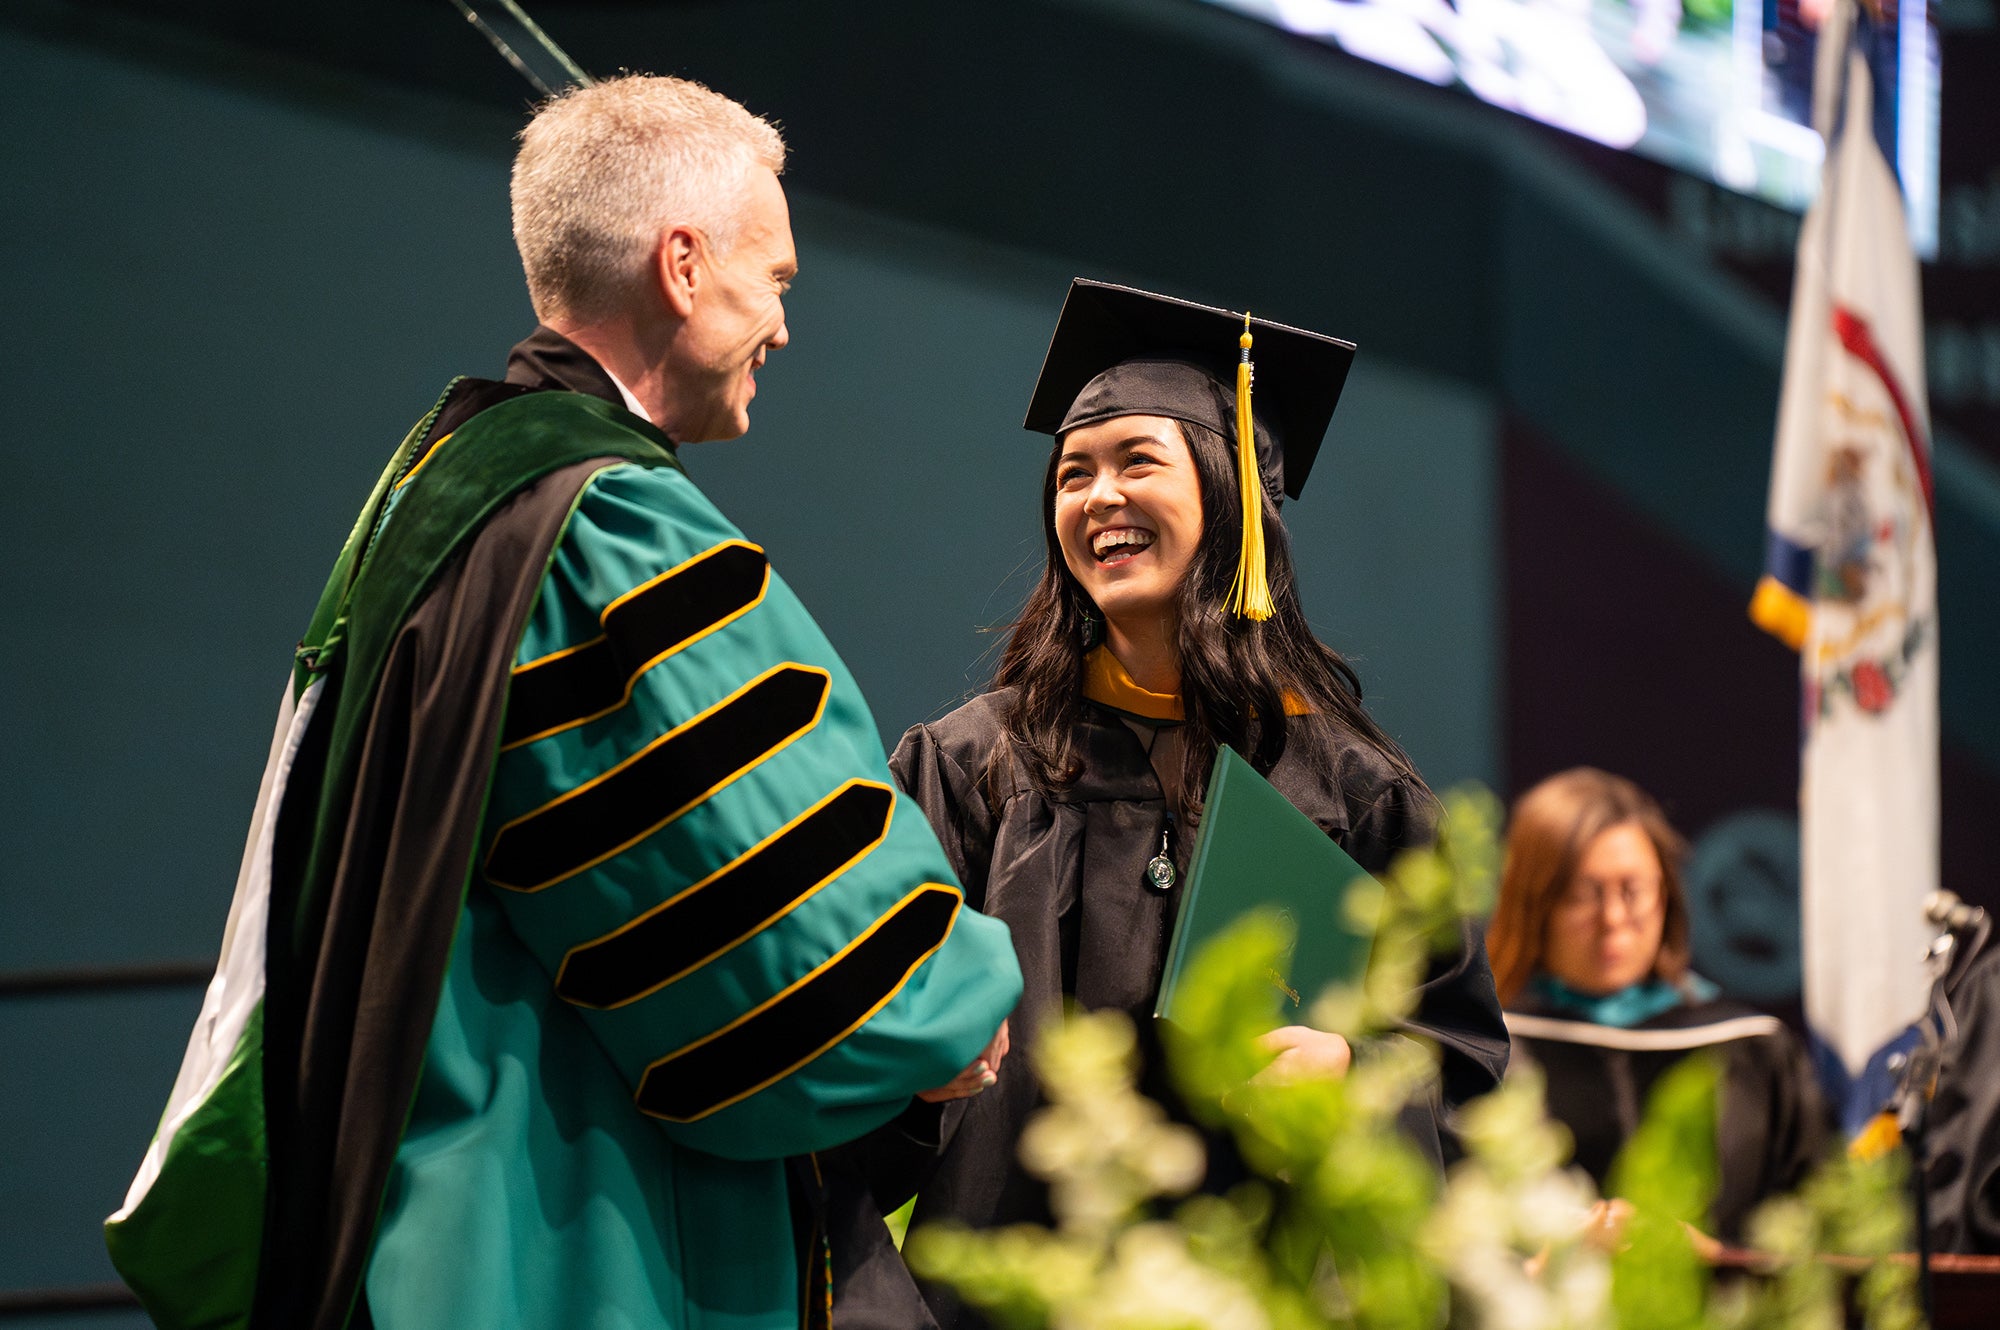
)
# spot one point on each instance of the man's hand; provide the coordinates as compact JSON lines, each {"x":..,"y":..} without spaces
{"x":983,"y":1072}
{"x":1304,"y":1053}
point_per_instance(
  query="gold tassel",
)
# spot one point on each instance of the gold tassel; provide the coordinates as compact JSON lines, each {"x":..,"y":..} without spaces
{"x":1250,"y":597}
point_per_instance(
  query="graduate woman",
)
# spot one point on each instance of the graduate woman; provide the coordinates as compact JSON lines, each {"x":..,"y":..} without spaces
{"x":1589,"y":944}
{"x":1164,"y":626}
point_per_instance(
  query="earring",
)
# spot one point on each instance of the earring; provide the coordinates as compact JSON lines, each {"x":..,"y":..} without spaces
{"x":1092,"y":630}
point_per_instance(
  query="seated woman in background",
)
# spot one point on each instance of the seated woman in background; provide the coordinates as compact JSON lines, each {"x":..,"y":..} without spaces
{"x":1589,"y":944}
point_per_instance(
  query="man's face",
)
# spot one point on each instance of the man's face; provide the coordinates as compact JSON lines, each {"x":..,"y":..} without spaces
{"x":737,"y":319}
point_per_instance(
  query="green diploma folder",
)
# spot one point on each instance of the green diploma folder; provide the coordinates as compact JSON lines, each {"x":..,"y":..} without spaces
{"x":1256,"y":851}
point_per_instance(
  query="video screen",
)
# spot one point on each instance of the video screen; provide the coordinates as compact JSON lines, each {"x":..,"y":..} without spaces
{"x":1718,"y":88}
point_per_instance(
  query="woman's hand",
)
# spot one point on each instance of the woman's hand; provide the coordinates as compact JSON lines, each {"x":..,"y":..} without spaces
{"x":1604,"y":1229}
{"x":983,"y":1072}
{"x":1304,"y":1053}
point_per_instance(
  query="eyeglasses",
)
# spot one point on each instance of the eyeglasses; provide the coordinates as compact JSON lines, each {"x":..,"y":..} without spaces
{"x":1585,"y":897}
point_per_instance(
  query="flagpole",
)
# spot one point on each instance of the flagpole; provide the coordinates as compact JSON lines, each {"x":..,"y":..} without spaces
{"x":1829,"y":106}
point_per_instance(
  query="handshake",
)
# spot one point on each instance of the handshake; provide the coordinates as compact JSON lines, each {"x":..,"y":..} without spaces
{"x":982,"y":1074}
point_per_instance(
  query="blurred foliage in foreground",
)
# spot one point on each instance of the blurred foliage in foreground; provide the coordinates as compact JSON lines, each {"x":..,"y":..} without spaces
{"x":1345,"y":1224}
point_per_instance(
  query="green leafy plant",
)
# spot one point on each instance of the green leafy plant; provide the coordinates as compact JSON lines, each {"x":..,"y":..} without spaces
{"x":1344,"y":1223}
{"x":1668,"y":1173}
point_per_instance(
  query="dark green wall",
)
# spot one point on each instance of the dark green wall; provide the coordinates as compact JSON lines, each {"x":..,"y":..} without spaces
{"x":233,"y":292}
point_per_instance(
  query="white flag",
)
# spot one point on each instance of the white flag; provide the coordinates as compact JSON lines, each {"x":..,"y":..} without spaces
{"x":1851,"y":582}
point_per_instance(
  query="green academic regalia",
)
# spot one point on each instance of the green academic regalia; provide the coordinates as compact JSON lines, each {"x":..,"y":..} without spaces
{"x":577,"y":897}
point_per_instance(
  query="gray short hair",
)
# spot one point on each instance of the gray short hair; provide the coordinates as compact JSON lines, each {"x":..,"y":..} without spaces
{"x":603,"y":170}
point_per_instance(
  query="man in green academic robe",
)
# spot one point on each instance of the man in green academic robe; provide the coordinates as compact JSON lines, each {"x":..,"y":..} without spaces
{"x":578,"y":895}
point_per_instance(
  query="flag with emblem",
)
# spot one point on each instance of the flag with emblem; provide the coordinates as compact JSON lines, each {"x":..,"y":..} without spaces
{"x":1851,"y":584}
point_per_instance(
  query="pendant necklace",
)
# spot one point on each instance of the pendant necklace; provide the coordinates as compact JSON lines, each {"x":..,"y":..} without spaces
{"x":1160,"y":870}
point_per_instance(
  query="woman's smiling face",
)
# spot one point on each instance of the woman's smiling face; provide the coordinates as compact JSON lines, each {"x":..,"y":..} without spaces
{"x":1128,"y":515}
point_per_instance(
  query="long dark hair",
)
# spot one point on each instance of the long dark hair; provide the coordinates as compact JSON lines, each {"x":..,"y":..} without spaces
{"x":1235,"y":674}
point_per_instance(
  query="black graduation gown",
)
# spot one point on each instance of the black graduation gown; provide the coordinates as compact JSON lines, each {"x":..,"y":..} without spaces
{"x":1066,"y":874}
{"x":1772,"y":1125}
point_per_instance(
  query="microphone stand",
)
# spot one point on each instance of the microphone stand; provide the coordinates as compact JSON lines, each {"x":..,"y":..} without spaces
{"x":1937,"y":1038}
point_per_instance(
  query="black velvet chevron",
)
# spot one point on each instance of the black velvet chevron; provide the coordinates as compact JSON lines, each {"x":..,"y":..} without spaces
{"x":803,"y":1021}
{"x":729,"y":906}
{"x":642,"y":794}
{"x":649,"y":623}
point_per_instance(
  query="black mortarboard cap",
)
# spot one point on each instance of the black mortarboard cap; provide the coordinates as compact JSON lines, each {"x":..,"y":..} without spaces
{"x":1120,"y":352}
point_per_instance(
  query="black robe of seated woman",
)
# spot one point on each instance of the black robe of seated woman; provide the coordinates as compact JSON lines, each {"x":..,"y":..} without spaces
{"x":1772,"y":1124}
